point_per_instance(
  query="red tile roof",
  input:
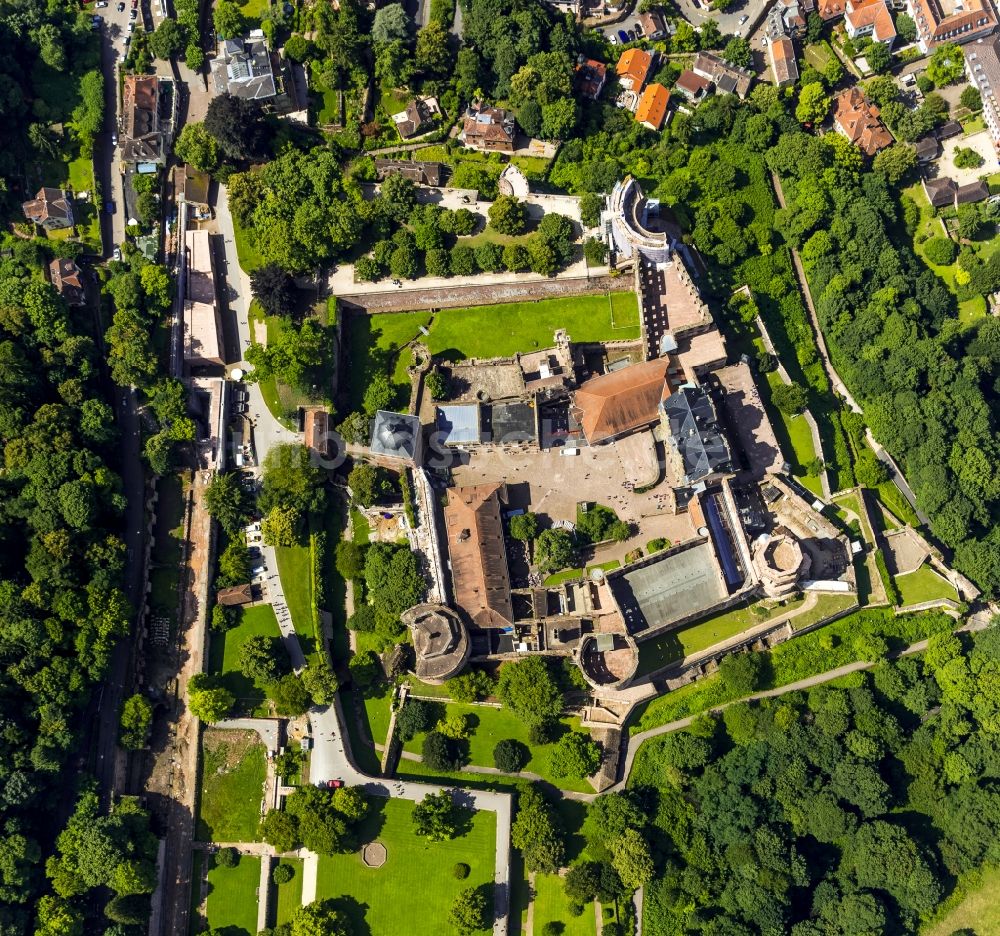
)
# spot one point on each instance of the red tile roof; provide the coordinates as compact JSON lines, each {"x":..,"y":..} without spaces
{"x":652,"y":109}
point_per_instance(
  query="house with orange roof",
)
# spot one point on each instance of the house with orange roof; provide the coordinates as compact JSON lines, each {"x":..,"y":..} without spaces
{"x":940,"y":21}
{"x":870,"y":18}
{"x":633,"y":69}
{"x":652,"y":110}
{"x":859,"y":120}
{"x":783,"y":64}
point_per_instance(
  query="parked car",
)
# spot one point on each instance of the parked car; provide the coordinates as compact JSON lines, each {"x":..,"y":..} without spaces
{"x":613,"y":40}
{"x":744,"y":18}
{"x":114,"y":137}
{"x":334,"y":784}
{"x":101,"y":4}
{"x":638,"y":30}
{"x":116,"y":254}
{"x":128,"y":40}
{"x":109,"y":207}
{"x":121,"y":7}
{"x":631,"y":35}
{"x":95,"y":23}
{"x":623,"y":35}
{"x":131,"y":27}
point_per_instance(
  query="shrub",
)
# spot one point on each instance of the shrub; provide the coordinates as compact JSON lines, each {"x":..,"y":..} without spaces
{"x":282,"y":874}
{"x":227,"y":858}
{"x":967,"y":158}
{"x":940,"y":251}
{"x":510,"y":756}
{"x":461,"y":871}
{"x":891,"y":590}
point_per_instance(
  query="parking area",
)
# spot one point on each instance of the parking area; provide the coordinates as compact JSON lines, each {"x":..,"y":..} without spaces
{"x":981,"y":142}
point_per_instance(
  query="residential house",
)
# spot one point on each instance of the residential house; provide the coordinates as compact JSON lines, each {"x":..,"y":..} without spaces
{"x":235,"y":595}
{"x":830,"y":10}
{"x":423,"y":173}
{"x":652,"y":109}
{"x":788,"y":18}
{"x":727,"y":78}
{"x":940,"y":21}
{"x":67,"y":278}
{"x":692,"y":85}
{"x":248,"y":69}
{"x":51,"y":209}
{"x":870,"y":18}
{"x":927,"y":148}
{"x":633,"y":69}
{"x":417,"y":117}
{"x":858,"y":119}
{"x":982,"y":65}
{"x":949,"y":129}
{"x":944,"y":193}
{"x":488,"y":128}
{"x":202,"y":322}
{"x":783,"y":65}
{"x":590,"y":77}
{"x":653,"y":25}
{"x":147,"y":106}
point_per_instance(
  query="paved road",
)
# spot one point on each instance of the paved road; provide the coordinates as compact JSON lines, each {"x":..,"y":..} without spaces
{"x":330,"y":761}
{"x":269,"y":729}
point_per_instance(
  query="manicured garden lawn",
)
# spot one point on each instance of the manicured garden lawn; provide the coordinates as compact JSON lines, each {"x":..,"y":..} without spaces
{"x":232,"y":897}
{"x":224,"y":656}
{"x":924,"y":585}
{"x":551,"y":905}
{"x":414,"y":890}
{"x":373,"y":344}
{"x":287,"y":897}
{"x":504,"y":329}
{"x":978,"y":912}
{"x":232,"y":786}
{"x":392,"y":101}
{"x":826,"y":606}
{"x":294,"y":567}
{"x":360,"y":527}
{"x":819,"y":54}
{"x":566,"y":575}
{"x":675,"y":645}
{"x":493,"y":725}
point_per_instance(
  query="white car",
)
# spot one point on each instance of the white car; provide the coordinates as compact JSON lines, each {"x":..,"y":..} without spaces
{"x":743,"y":19}
{"x":116,"y":254}
{"x":613,"y":40}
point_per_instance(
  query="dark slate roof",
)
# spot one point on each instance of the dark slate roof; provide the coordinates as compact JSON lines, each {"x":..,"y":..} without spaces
{"x":973,"y":192}
{"x":695,"y":434}
{"x":948,"y":129}
{"x":395,"y":434}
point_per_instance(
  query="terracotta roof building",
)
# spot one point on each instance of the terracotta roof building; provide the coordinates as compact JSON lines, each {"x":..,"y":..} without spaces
{"x":982,"y":65}
{"x":858,"y":119}
{"x":68,"y":281}
{"x":316,"y":430}
{"x":416,"y":117}
{"x":783,"y":64}
{"x":830,"y":9}
{"x":633,"y":69}
{"x":652,"y":110}
{"x":940,"y":21}
{"x":870,"y":18}
{"x":478,"y":554}
{"x":142,"y":138}
{"x":590,"y":78}
{"x":692,"y":85}
{"x":50,"y":208}
{"x":618,"y":403}
{"x":236,"y":595}
{"x":488,"y":128}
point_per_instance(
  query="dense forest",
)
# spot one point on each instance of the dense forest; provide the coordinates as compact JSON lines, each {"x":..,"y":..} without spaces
{"x":851,"y":808}
{"x":61,"y":561}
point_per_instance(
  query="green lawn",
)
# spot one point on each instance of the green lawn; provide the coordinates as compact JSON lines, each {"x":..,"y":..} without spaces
{"x":375,"y":341}
{"x":224,"y":654}
{"x":552,"y":905}
{"x":377,"y":708}
{"x":924,"y":585}
{"x":360,"y":527}
{"x":493,"y":725}
{"x":287,"y":898}
{"x":166,"y":551}
{"x":232,"y":784}
{"x":819,"y":54}
{"x":364,"y":754}
{"x":295,"y":569}
{"x":693,"y":638}
{"x":246,"y":249}
{"x":566,"y":575}
{"x":978,"y":912}
{"x":232,"y":897}
{"x":414,"y":890}
{"x":892,"y":499}
{"x":826,"y":606}
{"x":794,"y":437}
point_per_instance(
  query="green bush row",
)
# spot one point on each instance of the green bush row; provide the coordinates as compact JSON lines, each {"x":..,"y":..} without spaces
{"x":891,"y":590}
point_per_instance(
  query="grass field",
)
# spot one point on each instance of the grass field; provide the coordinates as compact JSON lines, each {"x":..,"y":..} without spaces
{"x":978,"y":912}
{"x":232,"y":786}
{"x":224,"y":655}
{"x":893,"y":500}
{"x":675,"y":645}
{"x":384,"y":900}
{"x":232,"y":897}
{"x":166,"y":551}
{"x":377,"y":708}
{"x":924,"y":585}
{"x":247,"y":254}
{"x":819,"y":54}
{"x":287,"y":898}
{"x":495,"y":724}
{"x":374,"y":341}
{"x":551,"y":905}
{"x":795,"y":438}
{"x":294,"y":567}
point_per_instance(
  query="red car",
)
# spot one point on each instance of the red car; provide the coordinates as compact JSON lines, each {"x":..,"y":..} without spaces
{"x":334,"y":784}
